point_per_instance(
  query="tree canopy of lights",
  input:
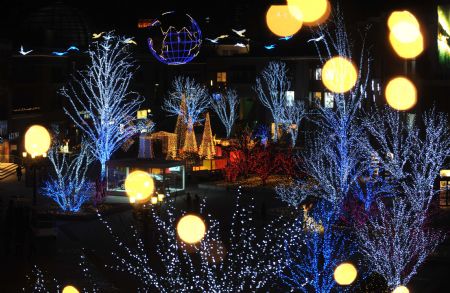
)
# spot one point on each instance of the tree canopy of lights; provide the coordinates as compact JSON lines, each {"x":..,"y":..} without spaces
{"x":397,"y":239}
{"x":101,"y":105}
{"x":292,"y":117}
{"x":69,"y":186}
{"x":226,"y":107}
{"x":271,"y":87}
{"x":238,"y":262}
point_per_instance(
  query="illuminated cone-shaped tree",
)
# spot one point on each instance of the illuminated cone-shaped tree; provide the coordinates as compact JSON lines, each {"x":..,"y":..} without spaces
{"x":190,"y":142}
{"x":207,"y":149}
{"x":181,"y":127}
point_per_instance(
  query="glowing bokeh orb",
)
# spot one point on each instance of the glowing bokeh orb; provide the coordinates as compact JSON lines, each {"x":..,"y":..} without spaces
{"x":191,"y":229}
{"x":37,"y":140}
{"x":310,"y":12}
{"x":401,"y":289}
{"x":345,"y":274}
{"x":407,"y":50}
{"x":281,"y":22}
{"x":404,"y":25}
{"x":175,"y":39}
{"x":70,"y":289}
{"x":139,"y":186}
{"x":405,"y":37}
{"x":401,"y":94}
{"x":339,"y":75}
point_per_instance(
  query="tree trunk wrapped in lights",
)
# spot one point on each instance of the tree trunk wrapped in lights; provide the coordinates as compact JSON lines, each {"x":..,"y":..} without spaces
{"x":181,"y":126}
{"x":207,"y":148}
{"x":100,"y":103}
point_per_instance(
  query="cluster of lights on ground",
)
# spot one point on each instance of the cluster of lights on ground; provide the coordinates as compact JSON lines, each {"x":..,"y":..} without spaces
{"x":339,"y":75}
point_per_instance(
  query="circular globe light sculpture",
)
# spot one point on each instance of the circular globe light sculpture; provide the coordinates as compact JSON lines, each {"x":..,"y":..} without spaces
{"x":37,"y":141}
{"x":401,"y":289}
{"x":191,"y":229}
{"x":405,"y":36}
{"x":339,"y":75}
{"x":310,"y":12}
{"x":401,"y":94}
{"x":70,"y":289}
{"x":175,"y":38}
{"x":139,"y":186}
{"x":345,"y":274}
{"x":281,"y":22}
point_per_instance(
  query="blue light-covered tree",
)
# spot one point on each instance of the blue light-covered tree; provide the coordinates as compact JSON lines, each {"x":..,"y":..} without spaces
{"x":188,"y":99}
{"x":335,"y":157}
{"x":226,"y":107}
{"x":312,"y":249}
{"x":69,"y":186}
{"x":101,"y":104}
{"x":292,"y":117}
{"x":271,"y":87}
{"x":397,"y":239}
{"x":236,"y":263}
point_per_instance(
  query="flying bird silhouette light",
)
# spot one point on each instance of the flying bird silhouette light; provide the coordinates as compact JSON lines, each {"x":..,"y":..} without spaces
{"x":240,"y":32}
{"x":23,"y":52}
{"x":96,"y":36}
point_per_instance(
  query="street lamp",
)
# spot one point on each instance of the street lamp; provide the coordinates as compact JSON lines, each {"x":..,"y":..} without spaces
{"x":37,"y":143}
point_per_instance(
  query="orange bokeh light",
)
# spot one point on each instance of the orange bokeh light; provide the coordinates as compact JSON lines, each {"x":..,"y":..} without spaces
{"x":281,"y":22}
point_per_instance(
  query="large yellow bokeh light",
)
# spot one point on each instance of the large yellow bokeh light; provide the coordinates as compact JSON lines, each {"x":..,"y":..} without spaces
{"x":345,"y":274}
{"x":339,"y":75}
{"x":401,"y":289}
{"x":281,"y":22}
{"x":70,"y":289}
{"x":401,"y":94}
{"x":310,"y":12}
{"x":37,"y":140}
{"x":191,"y":229}
{"x":405,"y":36}
{"x":139,"y":186}
{"x":407,"y":50}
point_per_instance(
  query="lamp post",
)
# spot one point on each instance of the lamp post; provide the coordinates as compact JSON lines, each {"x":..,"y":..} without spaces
{"x":37,"y":143}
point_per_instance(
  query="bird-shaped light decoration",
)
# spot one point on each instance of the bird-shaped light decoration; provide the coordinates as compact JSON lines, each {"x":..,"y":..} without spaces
{"x":23,"y":52}
{"x":240,"y":45}
{"x":59,"y":54}
{"x":285,"y":38}
{"x":240,"y":32}
{"x":72,"y":48}
{"x":129,"y":41}
{"x":96,"y":36}
{"x":270,"y":47}
{"x":316,"y":39}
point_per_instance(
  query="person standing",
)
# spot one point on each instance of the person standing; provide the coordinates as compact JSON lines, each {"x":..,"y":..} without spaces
{"x":19,"y":172}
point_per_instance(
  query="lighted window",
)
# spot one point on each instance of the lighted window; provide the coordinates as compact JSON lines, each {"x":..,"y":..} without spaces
{"x":221,"y":77}
{"x":329,"y":100}
{"x":318,"y":74}
{"x":317,"y":96}
{"x":290,"y":97}
{"x":142,"y":114}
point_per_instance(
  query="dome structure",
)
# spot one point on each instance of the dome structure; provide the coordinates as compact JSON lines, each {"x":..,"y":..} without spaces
{"x":56,"y":26}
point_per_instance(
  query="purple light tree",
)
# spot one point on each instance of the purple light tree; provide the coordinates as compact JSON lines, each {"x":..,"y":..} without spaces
{"x":226,"y":107}
{"x":101,"y":104}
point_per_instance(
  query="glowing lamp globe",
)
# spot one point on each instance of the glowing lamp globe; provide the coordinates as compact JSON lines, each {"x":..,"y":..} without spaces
{"x":345,"y":274}
{"x":407,"y":50}
{"x":70,"y":289}
{"x":310,"y":12}
{"x":37,"y":140}
{"x":401,"y":289}
{"x":339,"y":75}
{"x":191,"y":229}
{"x":174,"y":39}
{"x":401,"y":94}
{"x":281,"y":22}
{"x":139,"y":186}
